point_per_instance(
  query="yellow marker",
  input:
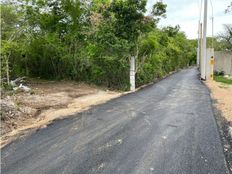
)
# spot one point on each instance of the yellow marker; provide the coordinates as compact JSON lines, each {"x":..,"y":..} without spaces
{"x":212,"y":61}
{"x":211,"y":67}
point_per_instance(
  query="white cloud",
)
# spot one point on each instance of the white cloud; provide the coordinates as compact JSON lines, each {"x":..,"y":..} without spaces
{"x":186,"y":14}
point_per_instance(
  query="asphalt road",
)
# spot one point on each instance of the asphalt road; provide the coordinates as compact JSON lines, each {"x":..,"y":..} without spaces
{"x":166,"y":128}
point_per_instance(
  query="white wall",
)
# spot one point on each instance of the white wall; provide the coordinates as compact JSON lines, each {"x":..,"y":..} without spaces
{"x":223,"y":61}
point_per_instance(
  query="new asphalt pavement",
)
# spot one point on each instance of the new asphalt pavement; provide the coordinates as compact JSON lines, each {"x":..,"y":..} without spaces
{"x":165,"y":128}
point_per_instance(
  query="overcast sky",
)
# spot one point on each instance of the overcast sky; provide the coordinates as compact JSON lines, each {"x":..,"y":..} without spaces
{"x":186,"y":14}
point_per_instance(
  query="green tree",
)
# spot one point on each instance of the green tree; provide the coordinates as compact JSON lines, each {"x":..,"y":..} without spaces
{"x":159,"y":10}
{"x":90,"y":41}
{"x":225,"y":38}
{"x":10,"y":32}
{"x":229,"y":8}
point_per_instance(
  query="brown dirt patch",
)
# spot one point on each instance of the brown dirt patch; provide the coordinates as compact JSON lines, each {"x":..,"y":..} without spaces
{"x":223,"y":94}
{"x":48,"y":101}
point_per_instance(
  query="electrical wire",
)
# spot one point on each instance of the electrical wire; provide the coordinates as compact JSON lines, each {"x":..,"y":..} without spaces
{"x":200,"y":10}
{"x":212,"y":23}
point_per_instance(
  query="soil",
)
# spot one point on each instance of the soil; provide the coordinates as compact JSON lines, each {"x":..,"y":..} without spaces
{"x":222,"y":102}
{"x":223,"y":94}
{"x":47,"y":101}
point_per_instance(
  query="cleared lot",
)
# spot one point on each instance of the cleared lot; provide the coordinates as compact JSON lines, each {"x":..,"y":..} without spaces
{"x":48,"y":100}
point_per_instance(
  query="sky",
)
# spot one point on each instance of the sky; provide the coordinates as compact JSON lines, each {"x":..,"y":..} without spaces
{"x":186,"y":14}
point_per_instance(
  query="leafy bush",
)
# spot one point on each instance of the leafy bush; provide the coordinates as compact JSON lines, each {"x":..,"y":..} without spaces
{"x":90,"y":42}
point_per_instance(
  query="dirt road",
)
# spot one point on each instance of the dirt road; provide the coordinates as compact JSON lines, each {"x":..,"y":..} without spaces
{"x":165,"y":128}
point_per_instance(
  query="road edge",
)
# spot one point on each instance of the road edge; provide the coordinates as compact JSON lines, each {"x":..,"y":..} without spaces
{"x":30,"y":131}
{"x":223,"y":130}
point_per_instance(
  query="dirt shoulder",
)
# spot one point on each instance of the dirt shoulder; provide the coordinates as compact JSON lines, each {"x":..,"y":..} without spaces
{"x":47,"y":101}
{"x":223,"y":94}
{"x":222,"y":101}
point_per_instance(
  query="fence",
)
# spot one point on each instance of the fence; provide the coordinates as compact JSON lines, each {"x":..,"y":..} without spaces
{"x":223,"y":62}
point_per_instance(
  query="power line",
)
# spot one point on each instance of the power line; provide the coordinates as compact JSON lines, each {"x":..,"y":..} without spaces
{"x":212,"y":23}
{"x":200,"y":10}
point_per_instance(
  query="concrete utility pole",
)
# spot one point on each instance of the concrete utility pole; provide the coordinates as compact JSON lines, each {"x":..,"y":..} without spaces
{"x":199,"y":36}
{"x":212,"y":31}
{"x":212,"y":23}
{"x":198,"y":44}
{"x":200,"y":47}
{"x":204,"y":52}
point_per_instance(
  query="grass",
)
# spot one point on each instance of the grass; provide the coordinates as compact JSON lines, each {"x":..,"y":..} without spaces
{"x":222,"y":79}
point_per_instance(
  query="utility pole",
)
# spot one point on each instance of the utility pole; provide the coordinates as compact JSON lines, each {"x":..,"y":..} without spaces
{"x":212,"y":31}
{"x":204,"y":52}
{"x":212,"y":23}
{"x":198,"y":44}
{"x":199,"y":36}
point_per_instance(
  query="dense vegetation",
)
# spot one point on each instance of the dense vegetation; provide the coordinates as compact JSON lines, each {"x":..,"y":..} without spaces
{"x":90,"y":41}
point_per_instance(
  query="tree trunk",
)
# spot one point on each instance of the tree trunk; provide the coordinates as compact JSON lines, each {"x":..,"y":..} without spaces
{"x":7,"y":71}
